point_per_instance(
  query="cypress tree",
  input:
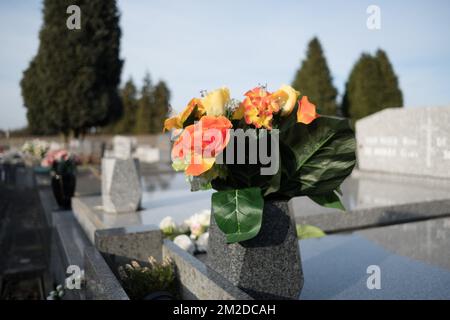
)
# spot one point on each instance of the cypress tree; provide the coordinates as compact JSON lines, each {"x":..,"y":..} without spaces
{"x":145,"y":107}
{"x":392,"y":95}
{"x":78,"y":70}
{"x":161,"y":108}
{"x":37,"y":114}
{"x":371,"y":87}
{"x":314,"y":79}
{"x":129,"y":101}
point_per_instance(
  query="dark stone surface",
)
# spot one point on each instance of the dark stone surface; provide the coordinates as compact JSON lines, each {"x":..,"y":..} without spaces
{"x":101,"y":283}
{"x":70,"y":242}
{"x":24,"y":241}
{"x":197,"y":281}
{"x":267,"y":266}
{"x":413,"y":258}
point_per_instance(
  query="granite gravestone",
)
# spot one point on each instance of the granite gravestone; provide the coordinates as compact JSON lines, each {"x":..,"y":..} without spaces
{"x":121,"y":188}
{"x":414,"y":141}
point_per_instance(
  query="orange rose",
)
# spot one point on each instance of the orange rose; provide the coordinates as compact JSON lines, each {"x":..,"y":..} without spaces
{"x":198,"y":145}
{"x":306,"y":112}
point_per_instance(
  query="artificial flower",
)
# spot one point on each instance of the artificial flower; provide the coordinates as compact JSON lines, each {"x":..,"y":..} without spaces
{"x":177,"y":121}
{"x":167,"y":225}
{"x":286,"y":97}
{"x":213,"y":104}
{"x":215,"y":101}
{"x":57,"y":155}
{"x":260,"y":105}
{"x":198,"y":145}
{"x":239,"y":112}
{"x":198,"y":223}
{"x":306,"y":112}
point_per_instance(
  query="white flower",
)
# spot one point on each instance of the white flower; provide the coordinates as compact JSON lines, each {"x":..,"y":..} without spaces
{"x":183,"y":228}
{"x":202,"y":242}
{"x":198,"y":223}
{"x":35,"y":148}
{"x":201,"y":218}
{"x":185,"y":243}
{"x":167,"y":225}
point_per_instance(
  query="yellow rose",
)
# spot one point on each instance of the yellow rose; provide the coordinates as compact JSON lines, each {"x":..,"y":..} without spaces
{"x":215,"y":101}
{"x":287,"y":98}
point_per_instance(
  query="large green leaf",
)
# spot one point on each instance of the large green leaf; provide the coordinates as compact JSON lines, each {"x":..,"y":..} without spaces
{"x":316,"y":158}
{"x":330,"y":200}
{"x":238,"y":213}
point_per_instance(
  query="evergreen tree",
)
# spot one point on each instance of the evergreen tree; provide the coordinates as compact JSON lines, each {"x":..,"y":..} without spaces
{"x":161,"y":108}
{"x":36,"y":114}
{"x":78,"y":71}
{"x":371,"y":87}
{"x":392,"y":95}
{"x":129,"y":101}
{"x":314,"y":80}
{"x":145,"y":107}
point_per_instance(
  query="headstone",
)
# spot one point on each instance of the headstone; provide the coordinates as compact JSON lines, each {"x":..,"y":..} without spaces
{"x":121,"y":188}
{"x":414,"y":141}
{"x":146,"y":154}
{"x":122,"y":147}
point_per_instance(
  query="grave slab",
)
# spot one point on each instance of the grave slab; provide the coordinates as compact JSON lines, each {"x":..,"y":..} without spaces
{"x":412,"y":258}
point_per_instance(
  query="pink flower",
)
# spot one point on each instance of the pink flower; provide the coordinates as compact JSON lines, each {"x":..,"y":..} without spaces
{"x":61,"y":155}
{"x":58,"y":155}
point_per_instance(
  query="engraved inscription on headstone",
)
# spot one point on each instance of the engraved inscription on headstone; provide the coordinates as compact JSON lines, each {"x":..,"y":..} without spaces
{"x":412,"y":141}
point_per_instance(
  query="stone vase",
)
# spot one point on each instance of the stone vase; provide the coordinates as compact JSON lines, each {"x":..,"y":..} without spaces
{"x":121,"y":187}
{"x":267,"y":266}
{"x":63,"y":187}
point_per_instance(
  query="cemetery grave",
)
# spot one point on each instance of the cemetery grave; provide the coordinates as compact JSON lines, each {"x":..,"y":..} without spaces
{"x":397,"y":222}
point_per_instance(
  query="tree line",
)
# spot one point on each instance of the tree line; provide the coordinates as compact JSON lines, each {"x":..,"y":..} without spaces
{"x":144,"y":110}
{"x":371,"y":86}
{"x":71,"y":85}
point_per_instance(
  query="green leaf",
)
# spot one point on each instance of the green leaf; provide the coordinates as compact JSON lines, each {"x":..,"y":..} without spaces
{"x":316,"y":158}
{"x":305,"y":231}
{"x":330,"y":200}
{"x":238,"y":213}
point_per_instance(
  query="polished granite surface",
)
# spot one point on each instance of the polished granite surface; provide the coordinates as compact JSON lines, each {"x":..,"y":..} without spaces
{"x":413,"y":257}
{"x":414,"y":261}
{"x":169,"y":194}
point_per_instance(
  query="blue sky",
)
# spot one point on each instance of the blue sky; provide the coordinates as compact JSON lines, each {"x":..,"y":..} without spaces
{"x":196,"y":45}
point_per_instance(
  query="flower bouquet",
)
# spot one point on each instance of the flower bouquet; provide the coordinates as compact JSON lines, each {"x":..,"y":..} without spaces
{"x":257,"y":154}
{"x":270,"y":146}
{"x":63,"y":167}
{"x":34,"y":151}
